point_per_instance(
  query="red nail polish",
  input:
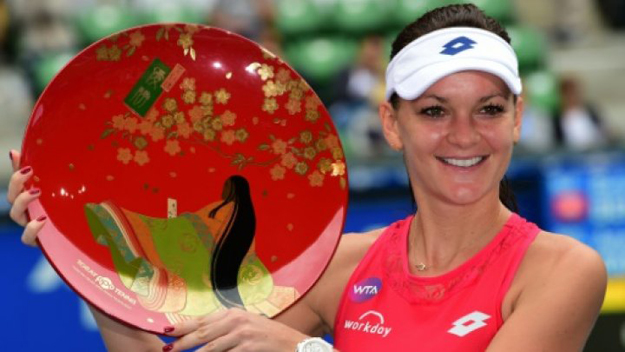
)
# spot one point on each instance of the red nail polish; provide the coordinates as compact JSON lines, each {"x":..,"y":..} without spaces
{"x":26,"y":170}
{"x":168,"y":347}
{"x":168,"y":329}
{"x":42,"y":218}
{"x":34,"y":191}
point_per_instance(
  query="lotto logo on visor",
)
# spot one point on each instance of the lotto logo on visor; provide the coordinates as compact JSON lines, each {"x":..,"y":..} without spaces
{"x":457,"y":45}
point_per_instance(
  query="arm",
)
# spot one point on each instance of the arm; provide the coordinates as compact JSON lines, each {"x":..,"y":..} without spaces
{"x":121,"y":338}
{"x":313,"y":315}
{"x":563,"y":287}
{"x":236,"y":328}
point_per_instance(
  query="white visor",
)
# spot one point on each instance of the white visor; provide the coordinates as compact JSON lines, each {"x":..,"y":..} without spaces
{"x":445,"y":51}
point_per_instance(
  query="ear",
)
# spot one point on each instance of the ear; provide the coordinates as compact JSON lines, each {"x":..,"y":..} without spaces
{"x":388,"y":117}
{"x":518,"y":118}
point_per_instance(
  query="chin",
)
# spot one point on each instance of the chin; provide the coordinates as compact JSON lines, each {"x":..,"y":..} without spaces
{"x":465,"y":195}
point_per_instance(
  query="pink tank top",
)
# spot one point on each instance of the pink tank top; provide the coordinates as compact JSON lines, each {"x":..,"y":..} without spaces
{"x":386,"y":308}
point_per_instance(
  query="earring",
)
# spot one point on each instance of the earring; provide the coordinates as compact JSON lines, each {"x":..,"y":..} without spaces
{"x":397,"y":148}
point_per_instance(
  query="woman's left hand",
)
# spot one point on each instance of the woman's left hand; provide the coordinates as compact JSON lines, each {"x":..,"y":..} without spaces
{"x":234,"y":330}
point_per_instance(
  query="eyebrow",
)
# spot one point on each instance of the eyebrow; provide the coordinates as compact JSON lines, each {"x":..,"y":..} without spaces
{"x":488,"y":97}
{"x":481,"y":100}
{"x":434,"y":96}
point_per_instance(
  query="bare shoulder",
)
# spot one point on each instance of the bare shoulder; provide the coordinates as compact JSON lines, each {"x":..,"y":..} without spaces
{"x":561,"y":263}
{"x":314,"y":314}
{"x":353,"y":247}
{"x":562,"y":254}
{"x":560,"y":280}
{"x":350,"y":251}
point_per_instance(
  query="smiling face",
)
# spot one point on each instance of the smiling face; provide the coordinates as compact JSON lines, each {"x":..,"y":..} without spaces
{"x":457,"y":137}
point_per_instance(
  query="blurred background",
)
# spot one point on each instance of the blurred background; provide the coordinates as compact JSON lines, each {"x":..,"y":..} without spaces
{"x":568,"y":170}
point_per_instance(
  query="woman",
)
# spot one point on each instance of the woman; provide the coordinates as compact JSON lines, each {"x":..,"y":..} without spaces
{"x":463,"y":273}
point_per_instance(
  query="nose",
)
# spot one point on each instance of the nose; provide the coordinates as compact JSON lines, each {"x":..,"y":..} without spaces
{"x":463,"y":131}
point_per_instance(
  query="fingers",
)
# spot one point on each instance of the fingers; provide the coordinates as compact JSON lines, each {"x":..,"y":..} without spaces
{"x":16,"y":184}
{"x":190,"y":326}
{"x":20,"y":200}
{"x":235,"y":330}
{"x":19,"y":210}
{"x":206,"y":334}
{"x":223,"y":343}
{"x":14,"y":155}
{"x":216,"y":330}
{"x":29,"y":237}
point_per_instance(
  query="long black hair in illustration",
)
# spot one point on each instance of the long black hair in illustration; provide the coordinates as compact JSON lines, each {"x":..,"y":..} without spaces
{"x":234,"y":242}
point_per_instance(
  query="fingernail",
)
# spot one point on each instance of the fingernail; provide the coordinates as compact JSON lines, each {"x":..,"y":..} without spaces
{"x":11,"y":155}
{"x":168,"y":347}
{"x":42,"y":218}
{"x":26,"y":170}
{"x":34,"y":191}
{"x":168,"y":329}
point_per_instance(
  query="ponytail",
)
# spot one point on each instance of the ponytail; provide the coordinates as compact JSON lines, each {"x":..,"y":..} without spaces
{"x":506,"y":195}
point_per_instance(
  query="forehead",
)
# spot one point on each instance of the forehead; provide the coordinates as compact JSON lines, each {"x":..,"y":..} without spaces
{"x":469,"y":83}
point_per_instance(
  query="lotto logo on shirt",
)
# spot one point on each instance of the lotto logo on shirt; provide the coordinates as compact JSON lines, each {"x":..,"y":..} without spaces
{"x":371,"y":322}
{"x":365,"y":289}
{"x":469,"y":323}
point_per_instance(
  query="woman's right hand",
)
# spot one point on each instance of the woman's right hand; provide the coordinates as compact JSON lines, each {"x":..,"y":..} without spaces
{"x":19,"y":198}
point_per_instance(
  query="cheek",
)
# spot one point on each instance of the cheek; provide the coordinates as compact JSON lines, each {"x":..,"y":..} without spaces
{"x":422,"y":139}
{"x":499,"y":137}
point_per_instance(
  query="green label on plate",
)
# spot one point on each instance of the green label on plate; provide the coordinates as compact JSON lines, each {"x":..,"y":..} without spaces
{"x":148,"y":88}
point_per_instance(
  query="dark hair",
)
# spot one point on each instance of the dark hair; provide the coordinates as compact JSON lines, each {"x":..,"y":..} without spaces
{"x":459,"y":15}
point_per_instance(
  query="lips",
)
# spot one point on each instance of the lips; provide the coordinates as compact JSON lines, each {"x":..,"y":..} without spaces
{"x":463,"y":162}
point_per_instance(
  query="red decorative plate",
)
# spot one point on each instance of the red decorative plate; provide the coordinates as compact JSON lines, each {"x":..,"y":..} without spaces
{"x":185,"y":169}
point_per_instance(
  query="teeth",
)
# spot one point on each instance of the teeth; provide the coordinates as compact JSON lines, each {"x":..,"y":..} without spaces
{"x":463,"y":162}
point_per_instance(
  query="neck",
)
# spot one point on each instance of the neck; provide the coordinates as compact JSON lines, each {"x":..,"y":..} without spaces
{"x":443,"y":236}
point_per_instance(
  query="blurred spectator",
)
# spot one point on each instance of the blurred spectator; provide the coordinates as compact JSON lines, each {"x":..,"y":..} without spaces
{"x":578,"y":125}
{"x":245,"y":17}
{"x":363,"y":137}
{"x":203,"y":7}
{"x":358,"y":90}
{"x":537,"y":133}
{"x":16,"y":101}
{"x":613,"y":11}
{"x":46,"y":33}
{"x":15,"y":96}
{"x":4,"y":22}
{"x":363,"y":82}
{"x":27,"y":11}
{"x":44,"y":30}
{"x":572,"y":20}
{"x":270,"y":39}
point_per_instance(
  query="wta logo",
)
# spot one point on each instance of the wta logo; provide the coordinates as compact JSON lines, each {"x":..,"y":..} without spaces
{"x":365,"y":289}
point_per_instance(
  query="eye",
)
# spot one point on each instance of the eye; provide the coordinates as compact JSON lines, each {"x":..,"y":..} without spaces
{"x":492,"y":109}
{"x":433,"y":111}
